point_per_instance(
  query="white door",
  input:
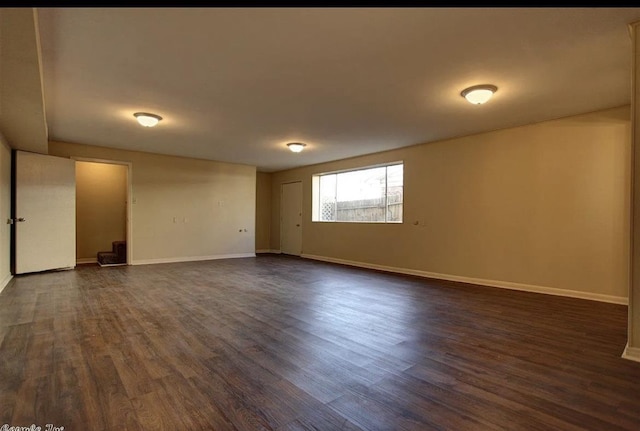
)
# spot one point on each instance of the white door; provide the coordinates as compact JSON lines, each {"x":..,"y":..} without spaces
{"x":45,"y":213}
{"x":291,"y":219}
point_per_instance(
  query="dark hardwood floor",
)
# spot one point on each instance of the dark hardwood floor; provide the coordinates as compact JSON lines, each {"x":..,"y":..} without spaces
{"x":280,"y":343}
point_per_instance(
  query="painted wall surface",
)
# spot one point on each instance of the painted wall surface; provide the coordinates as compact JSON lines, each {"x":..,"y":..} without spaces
{"x":634,"y":294}
{"x":545,"y":205}
{"x":5,"y":212}
{"x":183,"y":208}
{"x":263,"y":211}
{"x":22,"y":117}
{"x":101,"y":207}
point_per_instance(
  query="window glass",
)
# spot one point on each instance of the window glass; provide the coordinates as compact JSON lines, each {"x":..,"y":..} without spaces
{"x":371,"y":195}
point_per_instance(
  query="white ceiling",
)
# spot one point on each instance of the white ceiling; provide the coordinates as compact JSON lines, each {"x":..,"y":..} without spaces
{"x":236,"y":84}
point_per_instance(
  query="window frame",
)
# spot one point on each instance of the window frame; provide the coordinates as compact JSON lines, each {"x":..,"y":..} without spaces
{"x":315,"y":193}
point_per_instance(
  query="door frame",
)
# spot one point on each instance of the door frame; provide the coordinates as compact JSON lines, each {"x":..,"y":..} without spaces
{"x":12,"y":212}
{"x":129,"y":192}
{"x":301,"y":211}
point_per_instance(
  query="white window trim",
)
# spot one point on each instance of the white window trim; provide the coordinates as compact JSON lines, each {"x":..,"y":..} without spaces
{"x":315,"y":192}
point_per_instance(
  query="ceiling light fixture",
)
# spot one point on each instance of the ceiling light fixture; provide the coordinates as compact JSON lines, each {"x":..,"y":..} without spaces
{"x":479,"y":94}
{"x":147,"y":120}
{"x":296,"y":147}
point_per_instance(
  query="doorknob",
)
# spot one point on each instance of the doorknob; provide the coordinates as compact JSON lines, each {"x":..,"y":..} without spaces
{"x":14,"y":220}
{"x":21,"y":219}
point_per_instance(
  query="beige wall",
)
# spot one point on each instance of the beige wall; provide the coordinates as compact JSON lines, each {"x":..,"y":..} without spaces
{"x":263,"y":211}
{"x":542,"y":205}
{"x":101,"y":207}
{"x":22,"y":117}
{"x":5,"y":212}
{"x":183,"y":208}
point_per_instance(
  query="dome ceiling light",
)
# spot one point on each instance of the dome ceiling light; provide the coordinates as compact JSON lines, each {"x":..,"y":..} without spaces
{"x":479,"y":94}
{"x":147,"y":120}
{"x":296,"y":147}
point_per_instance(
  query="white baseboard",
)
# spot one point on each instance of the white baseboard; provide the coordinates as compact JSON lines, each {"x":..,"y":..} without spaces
{"x":483,"y":282}
{"x":268,"y":250}
{"x":191,"y":258}
{"x":86,"y":260}
{"x":105,"y":265}
{"x":5,"y":282}
{"x":631,"y":353}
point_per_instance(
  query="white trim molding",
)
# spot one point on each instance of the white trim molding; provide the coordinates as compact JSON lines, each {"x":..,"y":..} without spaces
{"x":5,"y":282}
{"x":130,"y":197}
{"x":268,"y":250}
{"x":191,"y":258}
{"x":85,"y":260}
{"x":481,"y":281}
{"x":631,"y":353}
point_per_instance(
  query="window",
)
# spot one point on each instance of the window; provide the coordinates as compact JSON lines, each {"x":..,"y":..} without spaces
{"x":371,"y":195}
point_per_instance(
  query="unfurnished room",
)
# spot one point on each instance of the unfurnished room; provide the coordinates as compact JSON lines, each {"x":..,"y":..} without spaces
{"x":320,"y":219}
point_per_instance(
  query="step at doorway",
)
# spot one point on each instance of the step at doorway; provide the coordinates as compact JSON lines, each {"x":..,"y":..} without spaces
{"x":116,"y":257}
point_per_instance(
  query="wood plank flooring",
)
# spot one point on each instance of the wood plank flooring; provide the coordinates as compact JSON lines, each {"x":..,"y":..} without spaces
{"x":281,"y":343}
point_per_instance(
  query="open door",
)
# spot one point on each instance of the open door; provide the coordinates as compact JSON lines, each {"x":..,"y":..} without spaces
{"x":102,"y":196}
{"x":44,"y":214}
